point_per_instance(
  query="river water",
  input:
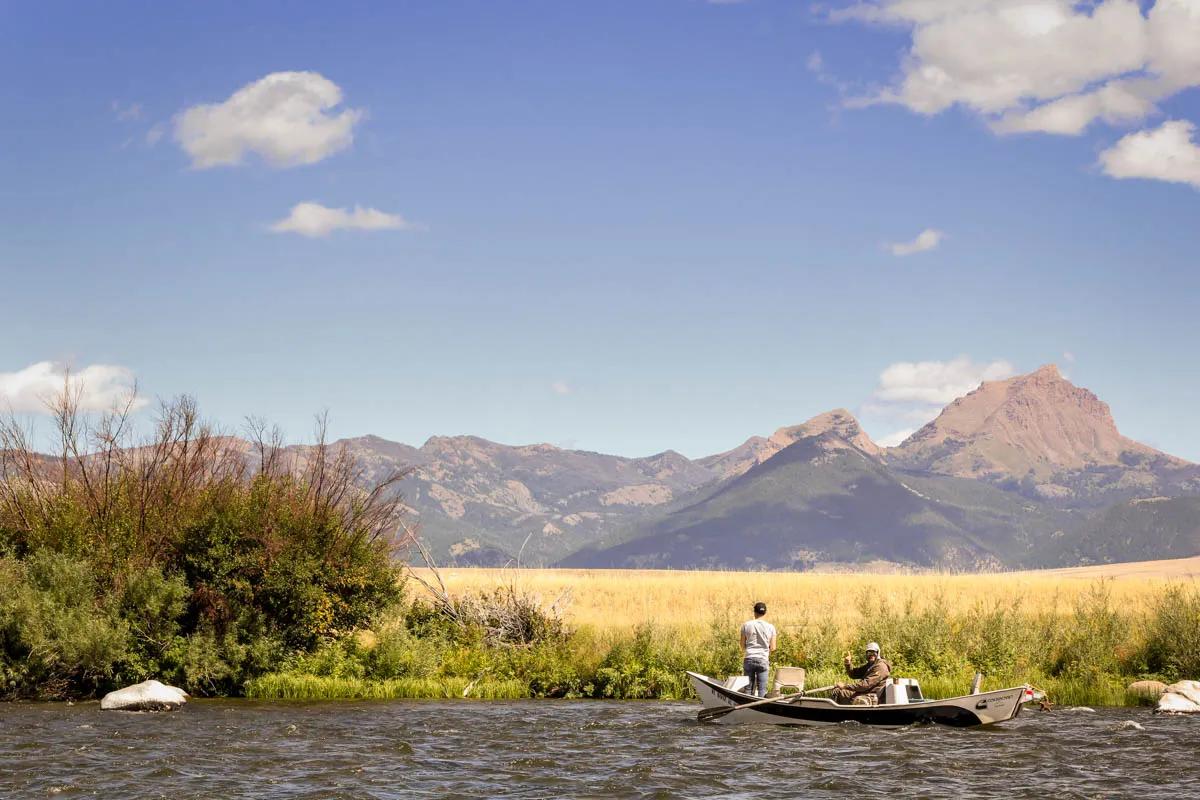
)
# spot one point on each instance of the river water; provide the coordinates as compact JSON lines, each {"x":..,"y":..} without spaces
{"x":226,"y":749}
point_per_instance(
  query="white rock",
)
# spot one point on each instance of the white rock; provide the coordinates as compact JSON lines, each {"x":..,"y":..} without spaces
{"x":1181,"y":698}
{"x":1171,"y":703}
{"x":1130,"y":725}
{"x":1084,"y":709}
{"x":145,"y":696}
{"x":1188,"y":689}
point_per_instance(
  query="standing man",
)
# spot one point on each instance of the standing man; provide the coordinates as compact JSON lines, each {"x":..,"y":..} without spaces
{"x":869,"y":679}
{"x":758,"y":642}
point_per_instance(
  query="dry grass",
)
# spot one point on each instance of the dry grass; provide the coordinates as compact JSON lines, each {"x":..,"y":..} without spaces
{"x":622,"y":599}
{"x":1173,"y":569}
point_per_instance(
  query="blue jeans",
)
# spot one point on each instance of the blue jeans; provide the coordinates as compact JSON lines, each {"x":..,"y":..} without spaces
{"x":756,"y":669}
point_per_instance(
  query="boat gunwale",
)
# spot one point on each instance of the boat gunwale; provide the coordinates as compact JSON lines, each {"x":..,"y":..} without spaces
{"x":717,"y":685}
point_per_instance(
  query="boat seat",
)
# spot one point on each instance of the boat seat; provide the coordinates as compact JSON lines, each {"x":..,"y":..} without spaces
{"x":737,"y":683}
{"x":791,"y":677}
{"x":900,"y":690}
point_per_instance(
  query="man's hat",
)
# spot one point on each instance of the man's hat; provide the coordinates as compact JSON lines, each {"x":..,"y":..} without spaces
{"x":760,"y":608}
{"x":873,"y":647}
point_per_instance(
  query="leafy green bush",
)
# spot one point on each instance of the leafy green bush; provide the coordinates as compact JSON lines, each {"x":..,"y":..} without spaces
{"x":175,"y":559}
{"x":997,"y":639}
{"x":399,"y":654}
{"x":553,"y":670}
{"x":56,"y":634}
{"x":912,"y":640}
{"x":1095,"y":641}
{"x":637,"y":667}
{"x":1173,"y":634}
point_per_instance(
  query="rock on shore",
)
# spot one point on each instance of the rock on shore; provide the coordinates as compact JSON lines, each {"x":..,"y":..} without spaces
{"x":145,"y":696}
{"x":1180,"y":698}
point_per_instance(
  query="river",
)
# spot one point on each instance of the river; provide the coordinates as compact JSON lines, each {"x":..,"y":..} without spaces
{"x":534,"y":749}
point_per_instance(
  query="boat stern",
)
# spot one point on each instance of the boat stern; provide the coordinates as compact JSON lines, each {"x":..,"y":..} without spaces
{"x":1000,"y":705}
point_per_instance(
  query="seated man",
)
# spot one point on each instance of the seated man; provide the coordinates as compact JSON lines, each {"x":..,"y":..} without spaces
{"x":869,"y":679}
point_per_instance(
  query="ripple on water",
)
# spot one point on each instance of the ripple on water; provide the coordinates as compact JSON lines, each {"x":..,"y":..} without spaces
{"x":576,"y":749}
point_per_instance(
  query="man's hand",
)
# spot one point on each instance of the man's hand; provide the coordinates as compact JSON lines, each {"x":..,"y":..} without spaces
{"x":846,"y":661}
{"x":839,"y":686}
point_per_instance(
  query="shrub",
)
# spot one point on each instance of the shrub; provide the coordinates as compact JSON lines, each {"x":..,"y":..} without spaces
{"x":916,"y":638}
{"x":996,"y":639}
{"x":56,"y":636}
{"x":637,"y":668}
{"x":1173,"y":635}
{"x":1096,"y":640}
{"x":399,"y":654}
{"x":174,"y":558}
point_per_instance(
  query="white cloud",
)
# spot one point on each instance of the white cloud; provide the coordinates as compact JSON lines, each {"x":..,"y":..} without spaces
{"x":1053,"y":66}
{"x":927,"y":239}
{"x":1070,"y":116}
{"x":560,"y":387}
{"x":936,"y":383}
{"x":100,"y":386}
{"x":315,"y":220}
{"x":287,"y":118}
{"x":895,"y":438}
{"x":911,"y":393}
{"x":1166,"y":153}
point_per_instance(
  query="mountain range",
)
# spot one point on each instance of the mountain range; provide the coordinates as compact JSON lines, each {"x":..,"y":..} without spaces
{"x":1026,"y":471}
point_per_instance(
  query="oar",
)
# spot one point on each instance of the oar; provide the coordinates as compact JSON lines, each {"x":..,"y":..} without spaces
{"x":707,"y":714}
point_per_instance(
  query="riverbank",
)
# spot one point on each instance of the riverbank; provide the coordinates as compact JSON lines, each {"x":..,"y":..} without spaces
{"x":620,"y":635}
{"x":299,"y":687}
{"x":634,"y":634}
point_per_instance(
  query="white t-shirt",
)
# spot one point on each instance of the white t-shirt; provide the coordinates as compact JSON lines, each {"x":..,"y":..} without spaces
{"x":758,"y":634}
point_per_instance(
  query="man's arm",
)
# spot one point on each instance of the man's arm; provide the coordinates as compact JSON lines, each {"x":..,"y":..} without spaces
{"x":872,"y":677}
{"x":771,"y":647}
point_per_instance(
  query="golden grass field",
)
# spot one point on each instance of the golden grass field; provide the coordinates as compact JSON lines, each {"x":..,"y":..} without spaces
{"x":616,"y":599}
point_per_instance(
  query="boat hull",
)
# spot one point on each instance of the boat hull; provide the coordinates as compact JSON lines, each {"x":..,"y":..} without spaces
{"x":986,"y":708}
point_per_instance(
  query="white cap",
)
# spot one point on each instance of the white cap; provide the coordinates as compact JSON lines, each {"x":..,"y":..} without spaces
{"x":873,"y":646}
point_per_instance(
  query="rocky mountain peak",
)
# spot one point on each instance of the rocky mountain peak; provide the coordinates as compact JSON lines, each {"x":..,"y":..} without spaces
{"x":838,"y":422}
{"x":1036,"y":424}
{"x":1046,"y":372}
{"x":838,"y":426}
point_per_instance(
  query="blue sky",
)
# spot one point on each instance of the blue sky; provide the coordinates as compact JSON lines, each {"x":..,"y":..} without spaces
{"x":622,"y":227}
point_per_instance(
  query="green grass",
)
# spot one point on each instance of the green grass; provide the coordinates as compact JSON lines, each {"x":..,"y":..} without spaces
{"x":1084,"y":654}
{"x":291,"y":686}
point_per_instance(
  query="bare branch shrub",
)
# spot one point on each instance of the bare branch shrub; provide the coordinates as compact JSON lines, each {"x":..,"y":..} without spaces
{"x":130,"y":500}
{"x":509,"y":615}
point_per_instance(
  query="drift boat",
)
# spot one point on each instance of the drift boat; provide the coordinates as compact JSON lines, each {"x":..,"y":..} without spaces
{"x":902,"y":704}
